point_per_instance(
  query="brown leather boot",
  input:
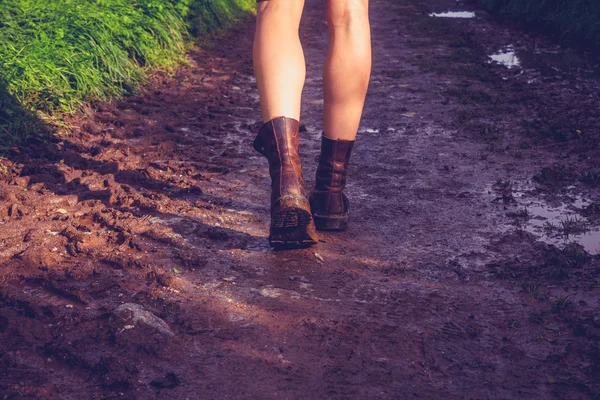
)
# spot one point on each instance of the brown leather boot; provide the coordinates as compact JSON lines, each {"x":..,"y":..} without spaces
{"x":291,"y":221}
{"x":328,"y":202}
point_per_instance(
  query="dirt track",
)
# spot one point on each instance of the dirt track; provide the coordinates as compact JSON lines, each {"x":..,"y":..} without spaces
{"x":444,"y":286}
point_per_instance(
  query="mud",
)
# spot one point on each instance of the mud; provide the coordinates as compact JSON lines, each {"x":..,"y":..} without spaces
{"x":134,"y":253}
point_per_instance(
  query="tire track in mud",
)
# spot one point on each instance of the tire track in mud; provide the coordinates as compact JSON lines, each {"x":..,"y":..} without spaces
{"x":159,"y":200}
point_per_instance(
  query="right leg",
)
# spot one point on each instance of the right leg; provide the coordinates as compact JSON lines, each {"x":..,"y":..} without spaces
{"x":348,"y":67}
{"x":345,"y":83}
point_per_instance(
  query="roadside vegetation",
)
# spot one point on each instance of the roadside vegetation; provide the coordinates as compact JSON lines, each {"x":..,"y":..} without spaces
{"x":576,"y":21}
{"x":56,"y":55}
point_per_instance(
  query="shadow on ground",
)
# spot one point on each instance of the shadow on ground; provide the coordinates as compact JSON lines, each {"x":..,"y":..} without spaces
{"x":19,"y":127}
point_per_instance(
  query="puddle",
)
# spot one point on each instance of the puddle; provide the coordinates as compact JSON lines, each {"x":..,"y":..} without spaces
{"x":558,"y":225}
{"x":506,"y":57}
{"x":368,"y":130}
{"x":547,"y":62}
{"x":454,"y":14}
{"x":563,"y":224}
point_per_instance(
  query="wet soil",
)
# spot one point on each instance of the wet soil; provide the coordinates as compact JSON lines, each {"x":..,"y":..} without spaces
{"x":135,"y":262}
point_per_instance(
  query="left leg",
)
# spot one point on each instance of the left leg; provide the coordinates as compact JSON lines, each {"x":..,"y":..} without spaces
{"x":280,"y":71}
{"x":279,"y":63}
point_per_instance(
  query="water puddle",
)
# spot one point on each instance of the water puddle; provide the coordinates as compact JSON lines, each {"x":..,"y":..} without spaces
{"x":563,"y":225}
{"x":507,"y":57}
{"x":454,"y":14}
{"x":546,"y":62}
{"x":368,"y":130}
{"x":559,"y":225}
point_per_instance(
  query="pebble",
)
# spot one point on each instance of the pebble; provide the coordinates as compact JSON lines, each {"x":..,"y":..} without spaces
{"x":135,"y":314}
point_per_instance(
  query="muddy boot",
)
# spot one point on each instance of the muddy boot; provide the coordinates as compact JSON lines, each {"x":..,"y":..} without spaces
{"x":328,"y":202}
{"x":291,"y":221}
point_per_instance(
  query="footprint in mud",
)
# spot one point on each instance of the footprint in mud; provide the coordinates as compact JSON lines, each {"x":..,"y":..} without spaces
{"x":453,"y":331}
{"x":372,"y":294}
{"x":557,"y":223}
{"x":197,"y":233}
{"x":365,"y":294}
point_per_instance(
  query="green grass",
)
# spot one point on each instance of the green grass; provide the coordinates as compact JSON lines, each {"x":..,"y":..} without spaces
{"x":577,"y":21}
{"x":203,"y":16}
{"x":56,"y":55}
{"x":18,"y":125}
{"x":53,"y":55}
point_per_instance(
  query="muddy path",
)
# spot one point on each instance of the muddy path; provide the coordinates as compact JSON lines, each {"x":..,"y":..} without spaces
{"x":133,"y":251}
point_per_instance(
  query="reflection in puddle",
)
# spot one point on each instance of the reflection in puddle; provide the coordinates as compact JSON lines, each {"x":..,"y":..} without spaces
{"x":506,"y":57}
{"x":562,"y":224}
{"x":368,"y":130}
{"x":557,"y":225}
{"x":454,"y":14}
{"x":546,"y":62}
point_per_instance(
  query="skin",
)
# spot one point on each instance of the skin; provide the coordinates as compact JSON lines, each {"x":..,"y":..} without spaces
{"x":280,"y":67}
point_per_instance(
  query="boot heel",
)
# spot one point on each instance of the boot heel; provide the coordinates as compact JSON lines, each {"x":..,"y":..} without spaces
{"x":291,"y":228}
{"x":331,"y":222}
{"x":291,"y":225}
{"x":290,"y":218}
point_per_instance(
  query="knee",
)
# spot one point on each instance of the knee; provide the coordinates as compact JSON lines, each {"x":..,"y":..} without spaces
{"x":346,"y":13}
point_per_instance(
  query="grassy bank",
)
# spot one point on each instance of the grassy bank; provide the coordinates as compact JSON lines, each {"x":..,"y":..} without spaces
{"x":203,"y":16}
{"x":575,"y":21}
{"x":55,"y":55}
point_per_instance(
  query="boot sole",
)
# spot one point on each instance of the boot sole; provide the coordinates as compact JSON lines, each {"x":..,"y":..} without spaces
{"x":289,"y":229}
{"x":331,"y":222}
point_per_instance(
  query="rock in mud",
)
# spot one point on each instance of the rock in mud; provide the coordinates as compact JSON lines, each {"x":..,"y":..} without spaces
{"x":134,"y":314}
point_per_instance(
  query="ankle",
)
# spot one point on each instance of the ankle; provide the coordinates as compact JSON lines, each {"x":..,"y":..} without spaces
{"x":339,"y":138}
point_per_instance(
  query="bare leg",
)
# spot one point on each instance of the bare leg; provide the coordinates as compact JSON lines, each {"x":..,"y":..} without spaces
{"x":280,"y":72}
{"x":279,"y":63}
{"x":348,"y":67}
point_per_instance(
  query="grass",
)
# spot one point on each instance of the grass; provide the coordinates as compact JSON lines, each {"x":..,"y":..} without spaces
{"x":570,"y":225}
{"x":203,"y":16}
{"x":576,"y":21}
{"x":18,"y":124}
{"x":553,"y":176}
{"x":54,"y":55}
{"x":573,"y":256}
{"x":57,"y":55}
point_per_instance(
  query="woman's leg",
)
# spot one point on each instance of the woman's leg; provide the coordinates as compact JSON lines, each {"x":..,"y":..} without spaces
{"x":345,"y":83}
{"x":280,"y":71}
{"x":348,"y":67}
{"x":278,"y":58}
